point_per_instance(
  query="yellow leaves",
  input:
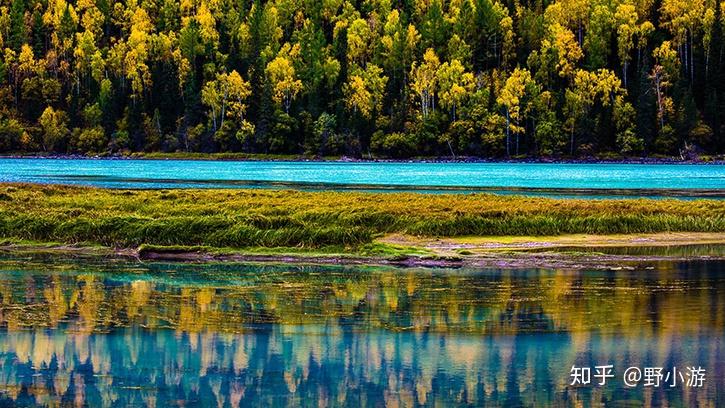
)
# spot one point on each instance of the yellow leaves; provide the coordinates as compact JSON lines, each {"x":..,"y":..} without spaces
{"x":98,"y":66}
{"x":186,"y":7}
{"x":567,"y":49}
{"x":708,"y":22}
{"x":424,"y":80}
{"x":626,"y":18}
{"x":364,"y":90}
{"x":54,"y":13}
{"x":392,"y":23}
{"x":602,"y":85}
{"x":9,"y":56}
{"x":207,"y":24}
{"x":511,"y":94}
{"x":244,"y":38}
{"x":212,"y":96}
{"x":137,"y":71}
{"x":508,"y":52}
{"x":559,"y":52}
{"x":183,"y":67}
{"x":608,"y":86}
{"x":161,"y":46}
{"x":643,"y":32}
{"x":554,"y":14}
{"x":140,"y":28}
{"x":54,"y":16}
{"x":412,"y":37}
{"x":454,"y":83}
{"x":239,"y":90}
{"x":398,"y":43}
{"x":667,"y":58}
{"x":329,"y":8}
{"x":131,"y":57}
{"x":85,"y":49}
{"x":679,"y":16}
{"x":572,"y":14}
{"x":589,"y":87}
{"x":282,"y":75}
{"x":26,"y":61}
{"x":140,"y":21}
{"x":358,"y":41}
{"x":626,"y":14}
{"x":515,"y":87}
{"x":392,"y":32}
{"x":92,"y":19}
{"x":54,"y":125}
{"x":358,"y":97}
{"x":226,"y":96}
{"x":268,"y":30}
{"x":331,"y":68}
{"x":666,"y":68}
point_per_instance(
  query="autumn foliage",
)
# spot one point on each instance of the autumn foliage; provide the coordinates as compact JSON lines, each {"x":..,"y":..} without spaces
{"x":370,"y":78}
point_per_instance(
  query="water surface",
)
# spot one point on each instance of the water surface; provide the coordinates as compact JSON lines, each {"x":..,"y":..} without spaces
{"x":542,"y":179}
{"x":86,"y":332}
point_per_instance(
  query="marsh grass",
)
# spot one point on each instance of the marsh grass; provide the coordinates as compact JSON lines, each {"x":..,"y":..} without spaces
{"x":283,"y":218}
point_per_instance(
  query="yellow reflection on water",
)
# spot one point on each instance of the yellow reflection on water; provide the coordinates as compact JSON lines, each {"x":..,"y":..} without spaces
{"x":409,"y":337}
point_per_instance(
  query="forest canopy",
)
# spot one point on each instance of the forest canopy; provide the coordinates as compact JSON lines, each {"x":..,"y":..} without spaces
{"x":363,"y":78}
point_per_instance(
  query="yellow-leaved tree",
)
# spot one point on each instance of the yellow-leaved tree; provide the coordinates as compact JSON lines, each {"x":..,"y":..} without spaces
{"x":510,"y":98}
{"x":364,"y":90}
{"x":283,"y":77}
{"x":424,"y":80}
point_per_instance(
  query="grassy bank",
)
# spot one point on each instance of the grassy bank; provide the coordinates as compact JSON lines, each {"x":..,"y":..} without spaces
{"x":265,"y":218}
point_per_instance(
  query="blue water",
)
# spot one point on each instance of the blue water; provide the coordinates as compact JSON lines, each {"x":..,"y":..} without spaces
{"x":505,"y":177}
{"x":105,"y":333}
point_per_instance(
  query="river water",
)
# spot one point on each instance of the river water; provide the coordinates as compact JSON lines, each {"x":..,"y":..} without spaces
{"x":102,"y":332}
{"x":592,"y":180}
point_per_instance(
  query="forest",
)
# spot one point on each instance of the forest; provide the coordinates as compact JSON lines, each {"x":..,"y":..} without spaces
{"x":365,"y":78}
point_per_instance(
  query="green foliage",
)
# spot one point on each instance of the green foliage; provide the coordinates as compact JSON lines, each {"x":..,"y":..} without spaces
{"x":54,"y":126}
{"x":325,"y":140}
{"x":396,"y":144}
{"x":11,"y":135}
{"x":91,"y":140}
{"x":414,"y":78}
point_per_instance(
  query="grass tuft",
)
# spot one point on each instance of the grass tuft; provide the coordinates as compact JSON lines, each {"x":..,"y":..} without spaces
{"x":268,"y":218}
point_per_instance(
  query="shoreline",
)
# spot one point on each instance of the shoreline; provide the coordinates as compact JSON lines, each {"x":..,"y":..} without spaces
{"x":248,"y":157}
{"x":411,"y":252}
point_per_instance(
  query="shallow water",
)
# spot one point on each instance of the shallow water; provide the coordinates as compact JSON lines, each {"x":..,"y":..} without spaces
{"x":646,"y":251}
{"x":593,"y":180}
{"x":81,"y":331}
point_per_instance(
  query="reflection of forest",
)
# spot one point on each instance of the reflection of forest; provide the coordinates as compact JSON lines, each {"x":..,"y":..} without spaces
{"x":224,"y":298}
{"x":232,"y":334}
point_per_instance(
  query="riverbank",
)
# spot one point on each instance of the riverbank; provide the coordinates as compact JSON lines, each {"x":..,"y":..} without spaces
{"x":256,"y":157}
{"x":572,"y":252}
{"x":269,"y":223}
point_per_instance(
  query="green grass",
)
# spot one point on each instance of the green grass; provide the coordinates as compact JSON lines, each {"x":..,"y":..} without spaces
{"x":267,"y":218}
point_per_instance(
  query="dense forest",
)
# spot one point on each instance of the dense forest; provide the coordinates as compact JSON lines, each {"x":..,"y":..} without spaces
{"x":364,"y":78}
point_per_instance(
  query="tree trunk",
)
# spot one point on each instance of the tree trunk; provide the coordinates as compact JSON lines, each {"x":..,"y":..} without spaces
{"x":508,"y":132}
{"x":571,"y":143}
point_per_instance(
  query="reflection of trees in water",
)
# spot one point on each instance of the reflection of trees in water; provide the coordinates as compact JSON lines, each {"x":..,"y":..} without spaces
{"x":347,"y":336}
{"x":287,"y":365}
{"x":495,"y":302}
